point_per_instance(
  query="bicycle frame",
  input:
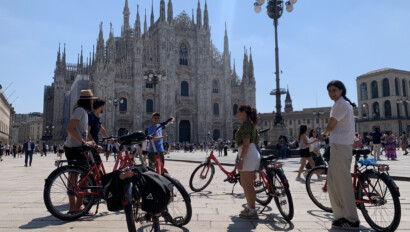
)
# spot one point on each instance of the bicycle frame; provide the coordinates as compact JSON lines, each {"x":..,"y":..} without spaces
{"x":230,"y":175}
{"x":356,"y":179}
{"x":121,"y":161}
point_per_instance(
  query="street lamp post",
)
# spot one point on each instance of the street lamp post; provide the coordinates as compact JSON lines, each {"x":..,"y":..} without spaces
{"x":318,"y":113}
{"x":274,"y":11}
{"x":115,"y":102}
{"x":154,"y":78}
{"x":405,"y":101}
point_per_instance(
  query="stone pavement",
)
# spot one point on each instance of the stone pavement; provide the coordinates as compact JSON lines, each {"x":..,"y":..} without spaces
{"x":214,"y":209}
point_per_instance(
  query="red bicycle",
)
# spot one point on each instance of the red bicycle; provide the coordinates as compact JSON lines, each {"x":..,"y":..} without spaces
{"x":179,"y":210}
{"x":377,"y":196}
{"x":269,"y":182}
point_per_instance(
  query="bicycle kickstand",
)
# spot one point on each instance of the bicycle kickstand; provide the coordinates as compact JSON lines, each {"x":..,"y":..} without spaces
{"x":97,"y":207}
{"x":233,"y":187}
{"x":263,"y":209}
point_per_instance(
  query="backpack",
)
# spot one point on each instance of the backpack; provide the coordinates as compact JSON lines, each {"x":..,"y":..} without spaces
{"x":155,"y":191}
{"x":113,"y":192}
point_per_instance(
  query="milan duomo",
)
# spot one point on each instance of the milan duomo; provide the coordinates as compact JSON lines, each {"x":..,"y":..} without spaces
{"x":172,"y":68}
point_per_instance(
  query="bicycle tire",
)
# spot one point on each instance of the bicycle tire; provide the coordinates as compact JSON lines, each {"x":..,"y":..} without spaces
{"x":282,"y":194}
{"x":317,"y":188}
{"x":130,"y":209}
{"x":193,"y":184}
{"x":56,"y":189}
{"x":262,"y":193}
{"x":384,"y":213}
{"x":179,"y":210}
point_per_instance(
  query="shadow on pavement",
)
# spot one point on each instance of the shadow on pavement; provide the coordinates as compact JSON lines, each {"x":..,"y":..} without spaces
{"x":163,"y":227}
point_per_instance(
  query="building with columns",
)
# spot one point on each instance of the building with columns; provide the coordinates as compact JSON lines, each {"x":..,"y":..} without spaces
{"x":201,"y":89}
{"x":383,"y":97}
{"x":6,"y":118}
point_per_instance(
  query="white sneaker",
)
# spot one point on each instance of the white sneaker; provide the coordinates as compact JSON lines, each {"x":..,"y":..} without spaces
{"x":298,"y":178}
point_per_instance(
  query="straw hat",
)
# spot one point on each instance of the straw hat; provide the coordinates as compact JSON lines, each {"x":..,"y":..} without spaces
{"x":87,"y":94}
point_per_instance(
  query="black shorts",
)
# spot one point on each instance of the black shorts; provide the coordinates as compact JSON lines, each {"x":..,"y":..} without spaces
{"x":145,"y":152}
{"x":73,"y":153}
{"x":304,"y":153}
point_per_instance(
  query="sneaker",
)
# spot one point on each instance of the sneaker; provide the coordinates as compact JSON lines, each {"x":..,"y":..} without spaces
{"x":345,"y":224}
{"x":244,"y":211}
{"x":298,"y":178}
{"x":248,"y":214}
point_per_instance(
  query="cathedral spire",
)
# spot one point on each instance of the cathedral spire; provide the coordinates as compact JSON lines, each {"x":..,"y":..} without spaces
{"x":193,"y":19}
{"x":250,"y":67}
{"x":170,"y":11}
{"x":81,"y":59}
{"x":111,"y":31}
{"x":199,"y":16}
{"x":90,"y":61}
{"x":100,"y":46}
{"x":58,"y":56}
{"x":137,"y":26}
{"x":64,"y":55}
{"x":206,"y":23}
{"x":145,"y":22}
{"x":126,"y":13}
{"x":245,"y":64}
{"x":152,"y":13}
{"x":234,"y":69}
{"x":162,"y":11}
{"x":226,"y":42}
{"x":93,"y":55}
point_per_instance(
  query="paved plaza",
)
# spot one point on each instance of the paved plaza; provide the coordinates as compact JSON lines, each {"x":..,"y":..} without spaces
{"x":214,"y":209}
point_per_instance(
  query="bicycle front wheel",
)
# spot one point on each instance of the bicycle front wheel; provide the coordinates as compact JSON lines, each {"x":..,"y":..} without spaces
{"x":179,"y":209}
{"x":261,"y":188}
{"x":378,"y":201}
{"x":201,"y":177}
{"x":65,"y":184}
{"x":316,"y":187}
{"x":282,"y":196}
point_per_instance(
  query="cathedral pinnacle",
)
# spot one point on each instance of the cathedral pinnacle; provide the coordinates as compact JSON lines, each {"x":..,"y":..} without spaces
{"x":206,"y":20}
{"x":245,"y":64}
{"x":145,"y":22}
{"x":170,"y":11}
{"x":152,"y":13}
{"x":126,"y":13}
{"x":81,"y":60}
{"x":199,"y":16}
{"x":162,"y":11}
{"x":58,"y":55}
{"x":226,"y":42}
{"x":250,"y":69}
{"x":137,"y":26}
{"x":64,"y":55}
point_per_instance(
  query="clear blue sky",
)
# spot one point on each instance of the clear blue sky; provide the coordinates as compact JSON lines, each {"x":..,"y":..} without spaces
{"x":319,"y":41}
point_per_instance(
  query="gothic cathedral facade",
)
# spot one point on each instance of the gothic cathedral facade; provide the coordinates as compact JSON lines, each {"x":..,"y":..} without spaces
{"x":201,"y":89}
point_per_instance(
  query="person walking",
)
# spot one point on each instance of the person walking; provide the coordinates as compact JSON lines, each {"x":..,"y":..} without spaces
{"x":390,"y":146}
{"x":14,"y":150}
{"x":404,"y":142}
{"x":28,"y":149}
{"x":340,"y":131}
{"x":248,"y":158}
{"x":304,"y":152}
{"x":44,"y":149}
{"x":77,"y":130}
{"x":60,"y":149}
{"x":376,"y":137}
{"x":1,"y":150}
{"x":156,"y":141}
{"x":20,"y":151}
{"x":7,"y":149}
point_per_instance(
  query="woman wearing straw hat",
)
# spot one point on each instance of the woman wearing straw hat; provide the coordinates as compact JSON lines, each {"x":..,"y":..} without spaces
{"x":77,"y":130}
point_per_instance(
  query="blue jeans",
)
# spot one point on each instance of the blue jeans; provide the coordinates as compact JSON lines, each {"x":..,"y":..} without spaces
{"x":282,"y":151}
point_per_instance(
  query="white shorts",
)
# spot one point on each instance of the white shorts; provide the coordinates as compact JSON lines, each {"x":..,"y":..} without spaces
{"x":252,"y":160}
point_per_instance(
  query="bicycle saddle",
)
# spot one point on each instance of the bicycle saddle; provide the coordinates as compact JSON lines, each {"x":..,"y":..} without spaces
{"x":133,"y":138}
{"x":361,"y":151}
{"x":271,"y":157}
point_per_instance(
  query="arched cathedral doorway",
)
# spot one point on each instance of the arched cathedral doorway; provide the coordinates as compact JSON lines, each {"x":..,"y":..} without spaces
{"x":184,"y":131}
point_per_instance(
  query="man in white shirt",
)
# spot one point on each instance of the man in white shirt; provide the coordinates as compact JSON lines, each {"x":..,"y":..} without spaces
{"x":340,"y":130}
